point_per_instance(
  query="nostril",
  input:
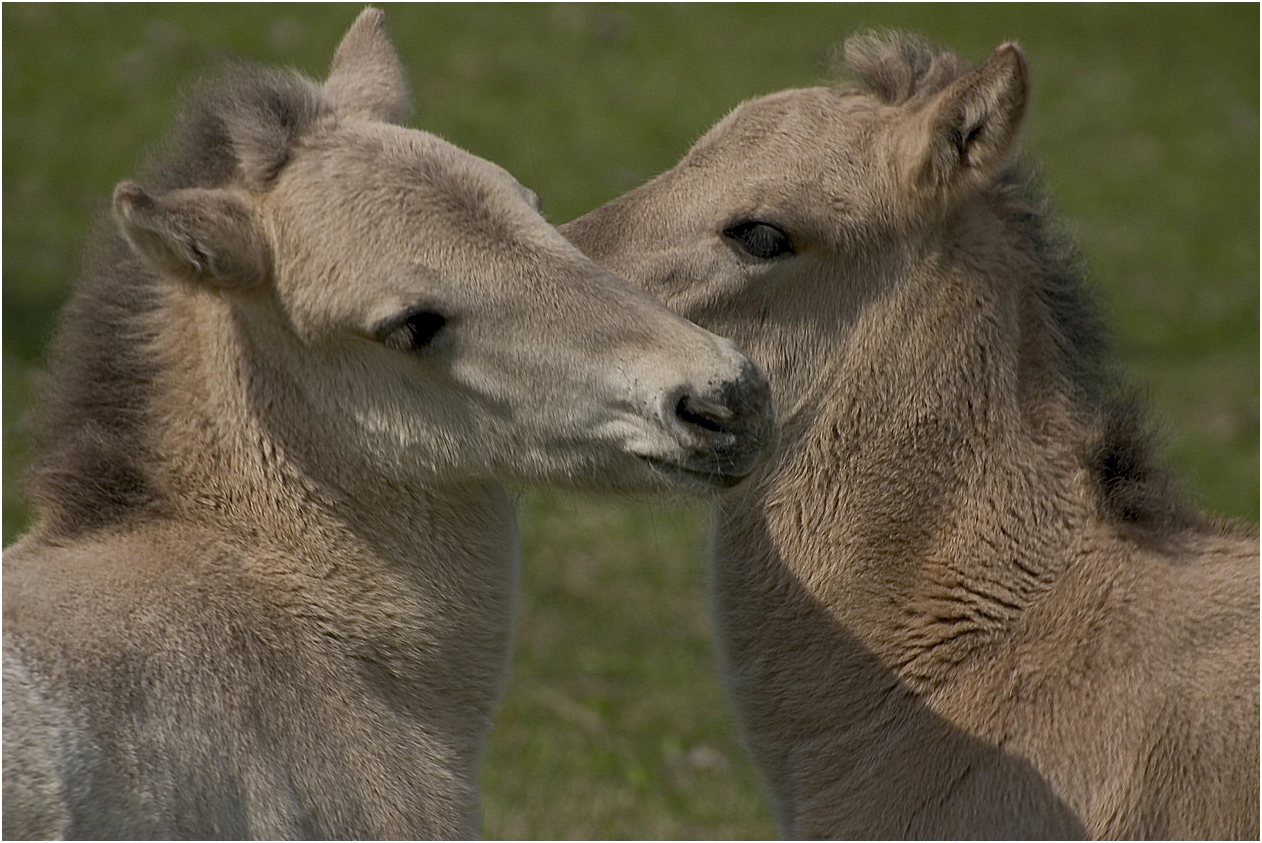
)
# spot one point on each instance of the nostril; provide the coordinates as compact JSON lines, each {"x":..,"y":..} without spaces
{"x":706,"y":415}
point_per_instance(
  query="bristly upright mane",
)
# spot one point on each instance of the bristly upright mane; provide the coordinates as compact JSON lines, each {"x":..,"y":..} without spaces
{"x":1134,"y":489}
{"x":896,"y":67}
{"x":90,"y":429}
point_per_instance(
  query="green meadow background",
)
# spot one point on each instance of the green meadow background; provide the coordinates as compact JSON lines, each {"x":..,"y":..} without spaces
{"x":615,"y":725}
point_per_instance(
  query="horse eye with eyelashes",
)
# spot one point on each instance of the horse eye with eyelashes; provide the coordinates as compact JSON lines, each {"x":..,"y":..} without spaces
{"x":759,"y":239}
{"x":413,"y":332}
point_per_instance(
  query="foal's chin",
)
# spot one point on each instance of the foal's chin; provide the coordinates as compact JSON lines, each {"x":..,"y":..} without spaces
{"x":634,"y":475}
{"x":669,"y":475}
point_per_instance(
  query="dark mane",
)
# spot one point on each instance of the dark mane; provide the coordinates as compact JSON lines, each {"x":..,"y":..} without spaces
{"x":1134,"y":488}
{"x":90,"y":428}
{"x":897,"y":67}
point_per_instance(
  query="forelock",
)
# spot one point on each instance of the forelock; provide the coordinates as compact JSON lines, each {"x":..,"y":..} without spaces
{"x":897,"y":67}
{"x":242,"y":121}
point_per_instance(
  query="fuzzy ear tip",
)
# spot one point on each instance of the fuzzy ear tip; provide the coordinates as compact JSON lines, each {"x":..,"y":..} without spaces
{"x":1010,"y":53}
{"x":370,"y":18}
{"x":368,"y":27}
{"x":129,"y":196}
{"x":128,"y":192}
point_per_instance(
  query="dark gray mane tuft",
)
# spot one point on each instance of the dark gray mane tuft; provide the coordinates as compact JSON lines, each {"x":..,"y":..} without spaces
{"x":230,"y":121}
{"x":896,"y":67}
{"x":1133,"y":486}
{"x":90,"y":428}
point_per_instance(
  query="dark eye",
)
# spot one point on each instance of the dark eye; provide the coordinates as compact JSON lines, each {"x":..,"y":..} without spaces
{"x":759,"y":239}
{"x":414,"y":332}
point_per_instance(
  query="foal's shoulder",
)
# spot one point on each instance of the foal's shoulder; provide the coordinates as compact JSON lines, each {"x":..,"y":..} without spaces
{"x":1214,"y":556}
{"x":100,"y":586}
{"x":1196,"y":603}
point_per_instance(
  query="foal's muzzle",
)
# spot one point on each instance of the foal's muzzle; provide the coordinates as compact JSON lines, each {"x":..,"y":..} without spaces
{"x":725,"y":430}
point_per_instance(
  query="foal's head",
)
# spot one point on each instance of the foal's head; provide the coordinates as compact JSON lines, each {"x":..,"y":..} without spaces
{"x":416,"y":303}
{"x":799,"y":208}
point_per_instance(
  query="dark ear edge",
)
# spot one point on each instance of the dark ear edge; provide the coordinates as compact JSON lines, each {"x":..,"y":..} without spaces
{"x":972,"y":127}
{"x":204,"y":236}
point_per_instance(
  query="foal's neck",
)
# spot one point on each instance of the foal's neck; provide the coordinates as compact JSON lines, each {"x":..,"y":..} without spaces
{"x":244,"y":446}
{"x":415,"y":579}
{"x":936,"y":473}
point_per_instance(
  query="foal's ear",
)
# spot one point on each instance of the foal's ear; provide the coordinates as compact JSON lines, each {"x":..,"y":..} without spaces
{"x":971,"y":128}
{"x":205,"y":236}
{"x":367,"y":79}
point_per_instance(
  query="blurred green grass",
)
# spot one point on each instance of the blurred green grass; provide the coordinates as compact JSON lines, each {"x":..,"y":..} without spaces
{"x":1145,"y":119}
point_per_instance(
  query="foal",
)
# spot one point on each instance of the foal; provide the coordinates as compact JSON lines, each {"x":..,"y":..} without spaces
{"x":270,"y":589}
{"x":961,"y":600}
